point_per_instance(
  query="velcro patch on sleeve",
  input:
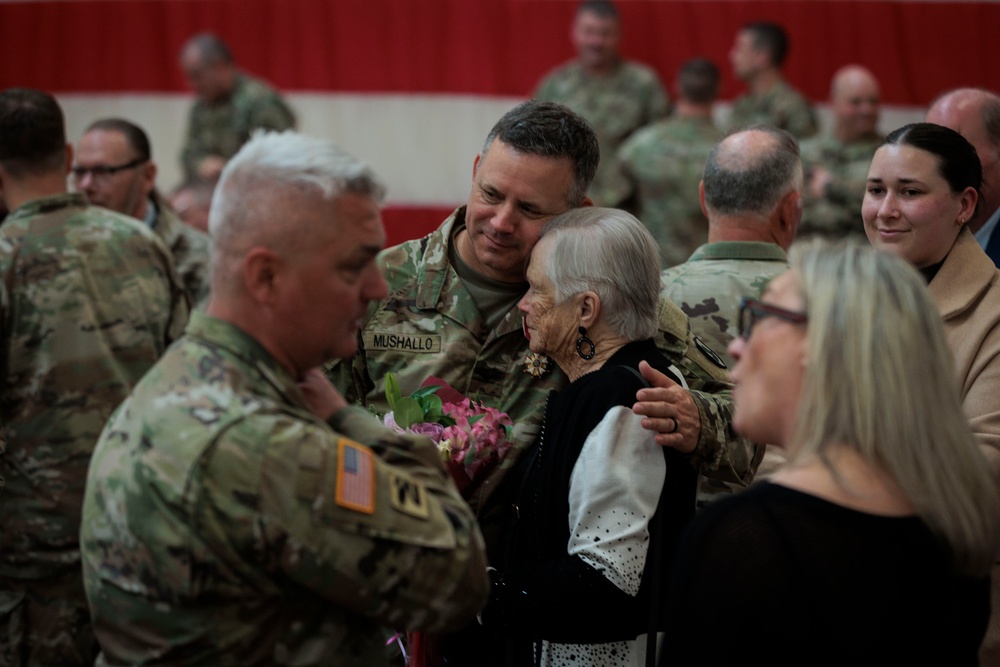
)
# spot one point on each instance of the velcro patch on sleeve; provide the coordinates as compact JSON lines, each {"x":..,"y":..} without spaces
{"x":408,"y":496}
{"x":355,"y":476}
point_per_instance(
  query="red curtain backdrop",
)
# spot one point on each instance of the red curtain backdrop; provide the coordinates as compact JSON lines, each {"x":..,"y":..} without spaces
{"x":495,"y":47}
{"x":483,"y":48}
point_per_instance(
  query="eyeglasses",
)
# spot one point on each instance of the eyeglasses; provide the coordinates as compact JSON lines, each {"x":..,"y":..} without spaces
{"x":752,"y":310}
{"x":101,"y":171}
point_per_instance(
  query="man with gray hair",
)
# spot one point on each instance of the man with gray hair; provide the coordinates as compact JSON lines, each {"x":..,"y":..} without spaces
{"x":231,"y":104}
{"x":752,"y":195}
{"x":975,"y":114}
{"x":237,"y":509}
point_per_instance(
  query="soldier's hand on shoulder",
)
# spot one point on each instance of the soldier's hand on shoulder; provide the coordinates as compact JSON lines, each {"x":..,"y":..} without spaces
{"x":670,"y":411}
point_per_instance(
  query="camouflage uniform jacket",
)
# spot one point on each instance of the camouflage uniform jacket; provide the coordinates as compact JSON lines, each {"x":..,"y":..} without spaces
{"x":89,"y":301}
{"x":709,"y":286}
{"x":665,"y":162}
{"x":190,"y":248}
{"x":225,"y":524}
{"x":429,"y":325}
{"x":221,"y":129}
{"x":782,"y":106}
{"x":838,"y":213}
{"x":615,"y":106}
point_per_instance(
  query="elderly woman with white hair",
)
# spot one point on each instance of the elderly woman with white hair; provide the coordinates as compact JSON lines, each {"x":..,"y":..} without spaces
{"x":873,"y":544}
{"x":599,"y":505}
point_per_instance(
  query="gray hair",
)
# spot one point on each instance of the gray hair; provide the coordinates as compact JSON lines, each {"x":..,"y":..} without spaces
{"x":752,"y":182}
{"x":553,"y":131}
{"x":870,"y":318}
{"x":244,"y":210}
{"x":610,"y":252}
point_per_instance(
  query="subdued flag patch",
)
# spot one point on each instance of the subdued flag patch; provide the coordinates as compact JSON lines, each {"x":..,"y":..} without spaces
{"x":355,"y":476}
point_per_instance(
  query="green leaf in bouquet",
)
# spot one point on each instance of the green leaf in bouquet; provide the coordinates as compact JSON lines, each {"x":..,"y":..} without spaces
{"x":407,"y":412}
{"x":392,"y":392}
{"x":429,"y":390}
{"x":474,"y":418}
{"x":433,"y":407}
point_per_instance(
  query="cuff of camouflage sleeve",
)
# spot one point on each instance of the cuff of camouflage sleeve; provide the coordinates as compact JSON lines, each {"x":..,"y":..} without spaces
{"x":358,"y":424}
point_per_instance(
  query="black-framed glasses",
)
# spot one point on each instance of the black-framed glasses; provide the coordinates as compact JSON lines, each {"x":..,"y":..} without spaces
{"x":752,"y":310}
{"x":103,"y":171}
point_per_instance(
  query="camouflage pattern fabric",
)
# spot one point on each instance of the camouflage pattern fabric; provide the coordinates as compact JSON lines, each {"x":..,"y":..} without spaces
{"x":221,"y":129}
{"x":665,"y":162}
{"x":615,"y":106}
{"x":190,"y":248}
{"x":709,"y":286}
{"x":225,"y":524}
{"x":782,"y":106}
{"x":838,"y":213}
{"x":89,"y":301}
{"x":430,"y":326}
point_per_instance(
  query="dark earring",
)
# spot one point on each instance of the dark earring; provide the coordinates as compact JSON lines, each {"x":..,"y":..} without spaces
{"x":583,"y":340}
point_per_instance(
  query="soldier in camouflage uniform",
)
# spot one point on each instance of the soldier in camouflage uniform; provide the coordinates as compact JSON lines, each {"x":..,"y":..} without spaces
{"x":115,"y":169}
{"x":452,"y":311}
{"x":664,"y":162}
{"x":230,"y":105}
{"x":757,"y":56}
{"x":617,"y":97}
{"x":89,"y":300}
{"x":752,"y":192}
{"x":238,"y":511}
{"x":838,"y":163}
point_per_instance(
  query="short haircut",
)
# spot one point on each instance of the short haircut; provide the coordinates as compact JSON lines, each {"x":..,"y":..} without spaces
{"x":737,"y":182}
{"x":603,"y":8}
{"x":32,"y":133}
{"x":698,"y":80}
{"x":246,"y":209}
{"x":554,"y":131}
{"x":135,"y":136}
{"x":210,"y":48}
{"x":610,"y":252}
{"x":870,"y":316}
{"x":770,"y":37}
{"x":956,"y":158}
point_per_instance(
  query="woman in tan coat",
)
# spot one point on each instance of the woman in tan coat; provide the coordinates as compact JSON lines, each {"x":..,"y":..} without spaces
{"x":923,"y":186}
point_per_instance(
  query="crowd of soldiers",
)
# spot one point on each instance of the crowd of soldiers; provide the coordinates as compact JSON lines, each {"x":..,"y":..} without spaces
{"x":239,"y":507}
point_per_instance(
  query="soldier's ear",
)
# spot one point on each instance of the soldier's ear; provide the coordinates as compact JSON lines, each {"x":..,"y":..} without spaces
{"x":261,"y":268}
{"x":701,"y":197}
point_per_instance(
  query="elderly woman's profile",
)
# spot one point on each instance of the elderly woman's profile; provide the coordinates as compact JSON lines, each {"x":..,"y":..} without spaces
{"x":599,"y":506}
{"x":873,"y":544}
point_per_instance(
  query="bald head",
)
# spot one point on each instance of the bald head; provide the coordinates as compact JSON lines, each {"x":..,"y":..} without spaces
{"x":854,"y":99}
{"x":752,"y":186}
{"x":975,"y":114}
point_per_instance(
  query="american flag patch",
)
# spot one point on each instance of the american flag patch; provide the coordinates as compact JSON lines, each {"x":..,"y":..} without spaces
{"x":355,"y":476}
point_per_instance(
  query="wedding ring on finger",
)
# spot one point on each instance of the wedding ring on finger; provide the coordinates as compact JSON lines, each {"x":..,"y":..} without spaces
{"x":674,"y":425}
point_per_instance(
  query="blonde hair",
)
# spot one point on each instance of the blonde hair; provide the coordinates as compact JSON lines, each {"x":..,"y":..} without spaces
{"x":880,"y":378}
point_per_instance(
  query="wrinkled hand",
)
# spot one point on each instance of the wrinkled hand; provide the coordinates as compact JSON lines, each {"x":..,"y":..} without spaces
{"x":669,"y":409}
{"x":320,"y":396}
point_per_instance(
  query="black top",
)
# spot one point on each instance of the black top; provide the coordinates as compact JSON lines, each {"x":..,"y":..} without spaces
{"x":559,"y":597}
{"x":780,"y":577}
